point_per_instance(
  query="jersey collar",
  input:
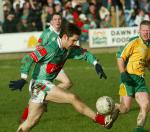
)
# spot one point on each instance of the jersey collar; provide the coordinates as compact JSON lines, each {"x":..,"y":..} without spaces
{"x":59,"y":42}
{"x":146,"y":43}
{"x":52,"y":29}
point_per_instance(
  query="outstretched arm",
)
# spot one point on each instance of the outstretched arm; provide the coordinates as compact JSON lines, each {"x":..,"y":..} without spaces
{"x":26,"y":65}
{"x":27,"y":62}
{"x":82,"y":54}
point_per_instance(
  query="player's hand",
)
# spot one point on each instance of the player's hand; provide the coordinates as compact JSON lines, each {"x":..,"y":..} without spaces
{"x":100,"y":71}
{"x":17,"y":84}
{"x":125,"y":78}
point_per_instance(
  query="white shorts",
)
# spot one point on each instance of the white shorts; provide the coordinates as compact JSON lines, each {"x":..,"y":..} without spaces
{"x":38,"y":90}
{"x":62,"y":71}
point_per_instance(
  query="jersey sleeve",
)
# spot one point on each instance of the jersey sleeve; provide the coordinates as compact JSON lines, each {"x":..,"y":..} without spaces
{"x":43,"y":39}
{"x":31,"y":58}
{"x":82,"y":54}
{"x":126,"y":51}
{"x":26,"y":64}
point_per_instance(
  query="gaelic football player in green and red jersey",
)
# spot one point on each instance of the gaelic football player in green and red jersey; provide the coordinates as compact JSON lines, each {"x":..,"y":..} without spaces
{"x":50,"y":34}
{"x":49,"y":60}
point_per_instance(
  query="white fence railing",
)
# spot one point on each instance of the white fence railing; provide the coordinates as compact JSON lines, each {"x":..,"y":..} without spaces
{"x":23,"y":42}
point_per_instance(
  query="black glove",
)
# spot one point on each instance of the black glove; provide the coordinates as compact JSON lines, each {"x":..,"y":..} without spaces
{"x":125,"y":78}
{"x":100,"y":71}
{"x":17,"y":85}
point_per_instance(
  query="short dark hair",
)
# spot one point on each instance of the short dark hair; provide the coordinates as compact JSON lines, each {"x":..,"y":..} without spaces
{"x":58,"y":14}
{"x":145,"y":22}
{"x":69,"y":29}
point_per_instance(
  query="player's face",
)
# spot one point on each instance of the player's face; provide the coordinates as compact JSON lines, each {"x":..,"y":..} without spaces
{"x":145,"y":32}
{"x":70,"y":41}
{"x":56,"y":22}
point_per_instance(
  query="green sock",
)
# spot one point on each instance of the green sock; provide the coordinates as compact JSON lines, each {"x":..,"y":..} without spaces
{"x":139,"y":129}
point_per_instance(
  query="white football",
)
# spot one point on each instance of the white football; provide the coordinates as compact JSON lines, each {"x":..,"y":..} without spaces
{"x":105,"y":105}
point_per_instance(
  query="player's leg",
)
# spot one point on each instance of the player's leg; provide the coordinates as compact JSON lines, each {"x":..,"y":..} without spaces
{"x":64,"y":80}
{"x":35,"y":112}
{"x":60,"y":96}
{"x":26,"y":112}
{"x":142,"y":99}
{"x":125,"y":93}
{"x":26,"y":109}
{"x":65,"y":83}
{"x":125,"y":104}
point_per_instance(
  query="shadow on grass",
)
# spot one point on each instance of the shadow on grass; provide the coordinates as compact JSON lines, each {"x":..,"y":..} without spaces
{"x":146,"y":130}
{"x":135,"y":109}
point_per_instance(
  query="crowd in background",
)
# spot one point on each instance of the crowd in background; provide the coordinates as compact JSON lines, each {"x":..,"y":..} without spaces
{"x":34,"y":15}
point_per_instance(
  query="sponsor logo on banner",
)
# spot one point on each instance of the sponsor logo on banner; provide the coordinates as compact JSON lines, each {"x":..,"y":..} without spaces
{"x":32,"y":42}
{"x":99,"y":37}
{"x":112,"y":37}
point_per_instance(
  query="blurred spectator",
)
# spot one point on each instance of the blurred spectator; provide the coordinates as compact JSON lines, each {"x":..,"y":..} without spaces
{"x":50,"y":11}
{"x":85,"y":6}
{"x":84,"y":28}
{"x":50,"y":3}
{"x":98,"y":13}
{"x":130,"y":10}
{"x":91,"y":21}
{"x":58,"y":7}
{"x":142,"y":15}
{"x":44,"y":16}
{"x":103,"y":12}
{"x":121,"y":17}
{"x":6,"y":10}
{"x":17,"y":13}
{"x":24,"y":26}
{"x":18,"y":2}
{"x":26,"y":10}
{"x":67,"y":12}
{"x":35,"y":14}
{"x":9,"y":25}
{"x":92,"y":12}
{"x":113,"y":16}
{"x":106,"y":22}
{"x":76,"y":13}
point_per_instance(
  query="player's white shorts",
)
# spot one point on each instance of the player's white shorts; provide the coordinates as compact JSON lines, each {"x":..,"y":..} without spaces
{"x":38,"y":90}
{"x":62,"y":71}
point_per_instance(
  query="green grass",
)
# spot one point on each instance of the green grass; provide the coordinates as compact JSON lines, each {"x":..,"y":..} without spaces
{"x":62,"y":117}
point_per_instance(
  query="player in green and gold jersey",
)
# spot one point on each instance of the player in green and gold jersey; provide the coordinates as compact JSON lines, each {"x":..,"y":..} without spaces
{"x":132,"y":60}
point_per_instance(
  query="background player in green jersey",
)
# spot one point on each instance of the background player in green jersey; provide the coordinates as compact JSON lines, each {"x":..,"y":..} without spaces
{"x":49,"y":35}
{"x":132,"y":60}
{"x":49,"y":61}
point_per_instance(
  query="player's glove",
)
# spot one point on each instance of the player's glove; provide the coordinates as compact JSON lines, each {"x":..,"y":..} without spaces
{"x":125,"y":78}
{"x":17,"y":84}
{"x":100,"y":71}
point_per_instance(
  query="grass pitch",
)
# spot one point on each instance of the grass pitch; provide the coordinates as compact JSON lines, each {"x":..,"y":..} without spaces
{"x":62,"y":117}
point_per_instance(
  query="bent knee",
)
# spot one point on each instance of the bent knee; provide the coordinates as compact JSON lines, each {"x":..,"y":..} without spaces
{"x":67,"y":84}
{"x":124,"y":109}
{"x":73,"y":98}
{"x":145,"y":106}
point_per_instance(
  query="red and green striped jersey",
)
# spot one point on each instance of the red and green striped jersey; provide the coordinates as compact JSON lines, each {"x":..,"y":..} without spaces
{"x":46,"y":37}
{"x":50,"y":59}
